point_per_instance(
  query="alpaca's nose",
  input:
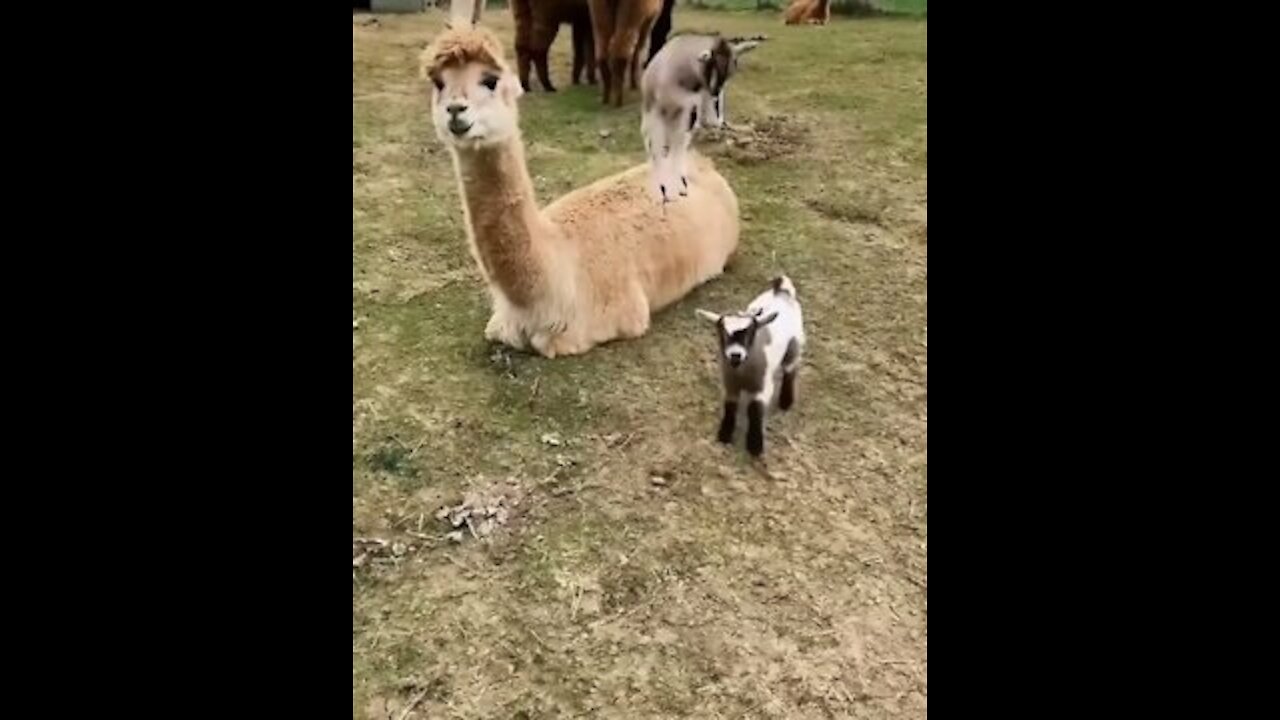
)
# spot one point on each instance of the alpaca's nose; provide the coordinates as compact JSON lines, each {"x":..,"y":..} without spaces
{"x":454,"y":109}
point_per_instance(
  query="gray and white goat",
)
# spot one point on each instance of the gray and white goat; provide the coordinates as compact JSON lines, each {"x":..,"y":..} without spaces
{"x":682,"y":88}
{"x":760,"y":353}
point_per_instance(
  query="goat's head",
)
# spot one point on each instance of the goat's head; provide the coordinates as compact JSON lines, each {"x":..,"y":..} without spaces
{"x":737,"y":333}
{"x":719,"y":64}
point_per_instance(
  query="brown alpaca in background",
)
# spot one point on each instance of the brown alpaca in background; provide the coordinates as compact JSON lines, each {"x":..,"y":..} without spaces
{"x":537,"y":22}
{"x":621,"y":30}
{"x":812,"y":12}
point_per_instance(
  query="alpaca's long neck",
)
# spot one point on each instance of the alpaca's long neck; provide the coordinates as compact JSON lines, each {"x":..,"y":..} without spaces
{"x":509,"y":230}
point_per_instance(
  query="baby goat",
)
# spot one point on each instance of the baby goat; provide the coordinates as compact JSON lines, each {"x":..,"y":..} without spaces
{"x":756,"y":347}
{"x":683,"y":87}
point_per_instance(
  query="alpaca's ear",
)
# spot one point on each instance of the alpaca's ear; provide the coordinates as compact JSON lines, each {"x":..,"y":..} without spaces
{"x":708,"y":315}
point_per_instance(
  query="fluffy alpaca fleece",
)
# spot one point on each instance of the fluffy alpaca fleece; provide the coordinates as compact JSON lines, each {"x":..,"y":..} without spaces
{"x":537,"y":23}
{"x":593,"y":265}
{"x":621,"y":29}
{"x":813,"y":12}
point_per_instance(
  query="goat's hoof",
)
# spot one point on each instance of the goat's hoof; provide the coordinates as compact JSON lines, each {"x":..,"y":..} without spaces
{"x":755,"y":450}
{"x":725,"y":437}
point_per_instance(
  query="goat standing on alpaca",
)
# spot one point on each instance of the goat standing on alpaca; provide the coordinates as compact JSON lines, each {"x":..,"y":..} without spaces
{"x":593,"y":265}
{"x":811,"y":12}
{"x":759,"y":352}
{"x":621,"y":28}
{"x":537,"y":23}
{"x":683,"y":87}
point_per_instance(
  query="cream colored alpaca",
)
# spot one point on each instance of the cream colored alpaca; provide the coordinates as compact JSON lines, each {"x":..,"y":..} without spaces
{"x":591,"y":266}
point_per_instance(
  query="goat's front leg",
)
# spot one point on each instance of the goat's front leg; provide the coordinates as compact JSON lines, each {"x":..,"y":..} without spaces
{"x":726,"y":423}
{"x":755,"y":427}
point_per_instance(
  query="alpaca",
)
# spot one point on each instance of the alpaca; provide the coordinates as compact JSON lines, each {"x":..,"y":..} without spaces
{"x":757,"y":347}
{"x":683,"y":87}
{"x":812,"y":12}
{"x":537,"y":23}
{"x":591,"y":266}
{"x":621,"y":28}
{"x":661,"y":29}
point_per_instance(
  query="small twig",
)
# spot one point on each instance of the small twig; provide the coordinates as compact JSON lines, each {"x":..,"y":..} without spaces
{"x":418,"y":447}
{"x":414,"y":702}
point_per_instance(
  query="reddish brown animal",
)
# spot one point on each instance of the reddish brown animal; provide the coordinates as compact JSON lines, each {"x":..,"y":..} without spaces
{"x":811,"y":12}
{"x":621,"y":29}
{"x":537,"y":23}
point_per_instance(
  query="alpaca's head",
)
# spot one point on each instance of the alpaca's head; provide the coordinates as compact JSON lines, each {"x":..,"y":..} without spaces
{"x":473,"y":92}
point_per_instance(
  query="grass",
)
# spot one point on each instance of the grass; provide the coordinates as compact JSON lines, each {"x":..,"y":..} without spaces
{"x":793,"y":588}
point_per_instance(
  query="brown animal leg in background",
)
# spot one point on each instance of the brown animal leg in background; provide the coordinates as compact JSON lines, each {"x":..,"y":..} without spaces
{"x":602,"y":31}
{"x":544,"y":34}
{"x":522,"y":67}
{"x":622,"y":46}
{"x":641,"y":41}
{"x":522,"y":12}
{"x":619,"y":70}
{"x":583,"y":51}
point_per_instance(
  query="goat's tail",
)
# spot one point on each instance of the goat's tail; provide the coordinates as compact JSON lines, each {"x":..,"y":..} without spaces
{"x":783,"y":284}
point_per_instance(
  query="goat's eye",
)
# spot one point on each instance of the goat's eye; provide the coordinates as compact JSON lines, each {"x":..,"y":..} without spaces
{"x":490,"y":81}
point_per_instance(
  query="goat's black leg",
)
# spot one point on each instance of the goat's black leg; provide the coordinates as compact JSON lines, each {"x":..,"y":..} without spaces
{"x":755,"y":428}
{"x":787,"y":397}
{"x":726,"y":423}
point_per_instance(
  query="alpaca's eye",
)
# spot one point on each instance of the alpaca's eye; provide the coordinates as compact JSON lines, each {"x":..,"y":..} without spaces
{"x":490,"y":81}
{"x":438,"y":83}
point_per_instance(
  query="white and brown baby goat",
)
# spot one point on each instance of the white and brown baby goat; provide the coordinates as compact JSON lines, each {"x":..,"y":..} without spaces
{"x":759,"y":353}
{"x":682,"y":88}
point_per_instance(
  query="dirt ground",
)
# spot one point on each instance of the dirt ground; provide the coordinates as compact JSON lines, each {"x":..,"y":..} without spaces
{"x":610,"y":558}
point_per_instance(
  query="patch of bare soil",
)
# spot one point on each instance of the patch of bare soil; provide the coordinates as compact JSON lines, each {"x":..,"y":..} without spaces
{"x":759,"y":140}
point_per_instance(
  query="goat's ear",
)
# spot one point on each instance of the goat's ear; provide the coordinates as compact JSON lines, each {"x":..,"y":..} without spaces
{"x":708,"y":315}
{"x":704,"y":56}
{"x":742,"y":46}
{"x":761,"y":322}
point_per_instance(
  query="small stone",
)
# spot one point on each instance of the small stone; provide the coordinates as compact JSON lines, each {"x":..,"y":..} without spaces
{"x":658,"y":480}
{"x":605,"y":133}
{"x":398,"y":549}
{"x":355,"y":324}
{"x":455,"y":536}
{"x":552,"y":439}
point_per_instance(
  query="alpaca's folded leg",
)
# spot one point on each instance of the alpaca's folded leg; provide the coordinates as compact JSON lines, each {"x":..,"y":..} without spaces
{"x":557,"y":344}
